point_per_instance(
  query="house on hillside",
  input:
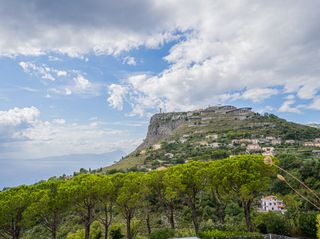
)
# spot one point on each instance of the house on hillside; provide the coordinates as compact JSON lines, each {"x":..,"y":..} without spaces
{"x":169,"y":155}
{"x":156,"y":146}
{"x":271,"y":204}
{"x":276,"y":141}
{"x":270,"y":138}
{"x":289,"y":141}
{"x":212,"y":136}
{"x":255,"y":141}
{"x":214,"y":145}
{"x":245,"y":141}
{"x":268,"y":151}
{"x":253,"y":148}
{"x":308,"y":144}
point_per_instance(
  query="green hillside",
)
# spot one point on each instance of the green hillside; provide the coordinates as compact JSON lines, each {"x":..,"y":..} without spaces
{"x":216,"y":138}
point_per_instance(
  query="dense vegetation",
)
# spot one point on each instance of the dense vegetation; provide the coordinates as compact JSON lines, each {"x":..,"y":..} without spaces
{"x":212,"y":199}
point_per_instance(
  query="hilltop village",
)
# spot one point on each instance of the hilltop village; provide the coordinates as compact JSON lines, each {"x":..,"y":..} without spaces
{"x":218,"y":132}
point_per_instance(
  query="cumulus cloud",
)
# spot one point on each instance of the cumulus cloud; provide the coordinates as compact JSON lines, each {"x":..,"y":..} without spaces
{"x":116,"y":96}
{"x":231,"y":47}
{"x":315,"y":104}
{"x":228,"y":50}
{"x":288,"y":107}
{"x":99,"y":26}
{"x":23,"y":134}
{"x":14,"y":121}
{"x":18,"y":116}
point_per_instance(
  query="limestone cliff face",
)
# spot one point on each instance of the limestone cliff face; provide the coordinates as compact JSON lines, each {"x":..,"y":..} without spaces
{"x":161,"y":126}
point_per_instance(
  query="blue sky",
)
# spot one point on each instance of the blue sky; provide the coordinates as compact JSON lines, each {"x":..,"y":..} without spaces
{"x":88,"y":82}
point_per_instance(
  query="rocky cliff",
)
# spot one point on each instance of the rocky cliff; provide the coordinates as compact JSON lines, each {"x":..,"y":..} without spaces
{"x":163,"y":125}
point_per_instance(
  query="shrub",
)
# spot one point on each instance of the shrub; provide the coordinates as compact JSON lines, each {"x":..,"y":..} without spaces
{"x":271,"y":223}
{"x":115,"y":233}
{"x":308,"y":224}
{"x":162,"y":234}
{"x":216,"y":234}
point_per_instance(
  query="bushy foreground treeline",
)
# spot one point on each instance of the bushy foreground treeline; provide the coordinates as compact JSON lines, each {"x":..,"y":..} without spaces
{"x":214,"y":197}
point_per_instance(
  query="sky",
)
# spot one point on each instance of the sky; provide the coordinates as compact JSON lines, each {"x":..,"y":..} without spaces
{"x":84,"y":76}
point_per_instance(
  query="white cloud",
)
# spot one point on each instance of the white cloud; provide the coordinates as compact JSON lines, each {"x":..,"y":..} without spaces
{"x":61,"y":73}
{"x":129,"y":60}
{"x":116,"y":96}
{"x":59,"y":121}
{"x":288,"y":108}
{"x":70,"y":82}
{"x":18,"y":116}
{"x":259,"y":94}
{"x":14,"y":121}
{"x":103,"y":29}
{"x":42,"y":71}
{"x":315,"y":104}
{"x":24,"y":135}
{"x":223,"y":47}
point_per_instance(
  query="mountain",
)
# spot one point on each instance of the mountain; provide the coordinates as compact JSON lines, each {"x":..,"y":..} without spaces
{"x":214,"y":132}
{"x":28,"y":171}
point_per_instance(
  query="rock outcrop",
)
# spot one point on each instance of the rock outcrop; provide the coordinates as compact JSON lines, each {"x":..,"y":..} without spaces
{"x":163,"y":125}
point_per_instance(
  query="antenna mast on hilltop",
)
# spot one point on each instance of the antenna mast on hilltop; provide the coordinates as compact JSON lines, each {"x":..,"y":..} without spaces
{"x":160,"y":110}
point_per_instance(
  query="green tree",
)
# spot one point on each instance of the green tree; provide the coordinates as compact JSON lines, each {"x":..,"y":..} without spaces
{"x":308,"y":224}
{"x":130,"y":197}
{"x":109,"y":189}
{"x":247,"y":176}
{"x":161,"y":187}
{"x":48,"y":206}
{"x":219,"y":197}
{"x":13,"y":203}
{"x":83,"y":192}
{"x":190,"y":180}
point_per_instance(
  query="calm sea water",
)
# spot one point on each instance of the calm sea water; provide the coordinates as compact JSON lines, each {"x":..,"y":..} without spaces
{"x":28,"y":171}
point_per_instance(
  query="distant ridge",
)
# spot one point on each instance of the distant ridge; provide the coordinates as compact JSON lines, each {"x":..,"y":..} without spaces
{"x":314,"y":125}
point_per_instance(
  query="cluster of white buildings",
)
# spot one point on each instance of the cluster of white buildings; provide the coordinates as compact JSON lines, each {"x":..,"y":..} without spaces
{"x":315,"y":143}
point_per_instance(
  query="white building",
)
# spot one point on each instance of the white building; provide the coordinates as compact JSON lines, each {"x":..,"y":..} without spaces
{"x":289,"y":141}
{"x":253,"y":148}
{"x":268,"y":151}
{"x":272,"y":204}
{"x":255,"y":141}
{"x":212,"y":136}
{"x":214,"y":145}
{"x":276,"y":141}
{"x":156,"y":146}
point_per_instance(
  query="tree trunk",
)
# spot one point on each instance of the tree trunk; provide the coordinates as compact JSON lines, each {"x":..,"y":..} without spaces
{"x":194,"y":218}
{"x":54,"y":227}
{"x":54,"y":234}
{"x":148,"y":223}
{"x":87,"y":223}
{"x":87,"y":231}
{"x":246,"y":209}
{"x":222,"y":214}
{"x":106,"y":230}
{"x":128,"y":220}
{"x":16,"y":232}
{"x":170,"y":215}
